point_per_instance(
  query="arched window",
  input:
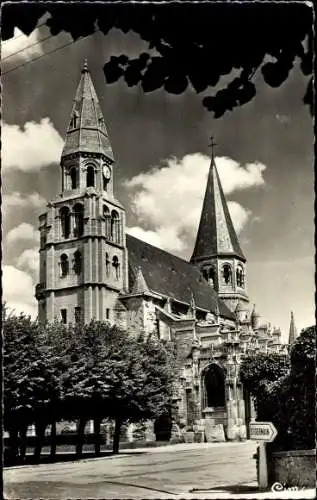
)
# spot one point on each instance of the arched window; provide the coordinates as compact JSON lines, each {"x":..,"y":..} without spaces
{"x":77,"y":262}
{"x":73,"y":177}
{"x":65,"y":221}
{"x":107,"y":217}
{"x":74,"y":120}
{"x":240,"y":276}
{"x":78,"y":220}
{"x":64,"y":263}
{"x":115,"y":227}
{"x":227,"y":274}
{"x":116,"y":266}
{"x":90,"y":177}
{"x":107,"y":265}
{"x":205,"y":274}
{"x":211,"y":276}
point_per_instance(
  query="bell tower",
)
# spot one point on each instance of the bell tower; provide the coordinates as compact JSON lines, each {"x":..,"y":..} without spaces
{"x":217,"y":250}
{"x":83,"y":256}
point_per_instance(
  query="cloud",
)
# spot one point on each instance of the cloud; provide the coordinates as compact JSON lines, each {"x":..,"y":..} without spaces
{"x":32,"y":147}
{"x":239,"y":215}
{"x":164,"y":237}
{"x":167,"y":200}
{"x":12,"y":202}
{"x":29,"y":261}
{"x":24,"y":231}
{"x":19,"y":298}
{"x":16,"y":48}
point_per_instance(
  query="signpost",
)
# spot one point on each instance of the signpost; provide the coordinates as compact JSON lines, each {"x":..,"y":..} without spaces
{"x":265,"y":432}
{"x":262,"y":431}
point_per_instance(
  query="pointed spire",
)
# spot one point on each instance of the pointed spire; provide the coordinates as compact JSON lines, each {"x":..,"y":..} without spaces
{"x":140,"y":285}
{"x":216,"y":234}
{"x":292,"y":330}
{"x":87,"y":130}
{"x":255,"y":316}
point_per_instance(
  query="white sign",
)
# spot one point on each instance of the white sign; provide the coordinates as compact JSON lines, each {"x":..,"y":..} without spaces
{"x":262,"y":431}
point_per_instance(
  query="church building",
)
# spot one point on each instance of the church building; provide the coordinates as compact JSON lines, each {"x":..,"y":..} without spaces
{"x":90,"y":268}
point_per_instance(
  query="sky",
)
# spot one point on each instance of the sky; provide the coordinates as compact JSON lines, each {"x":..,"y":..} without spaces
{"x":160,"y":142}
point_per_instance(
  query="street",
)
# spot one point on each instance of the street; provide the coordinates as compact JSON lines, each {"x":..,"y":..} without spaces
{"x":156,"y":473}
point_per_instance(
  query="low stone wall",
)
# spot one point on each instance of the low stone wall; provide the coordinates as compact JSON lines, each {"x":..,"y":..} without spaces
{"x":295,"y":468}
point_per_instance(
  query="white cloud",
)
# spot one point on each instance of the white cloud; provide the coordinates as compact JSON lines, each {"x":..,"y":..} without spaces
{"x":236,"y":177}
{"x":29,"y":260}
{"x":239,"y":215}
{"x":12,"y":202}
{"x":167,"y":200}
{"x":32,"y":147}
{"x":17,"y":47}
{"x":18,"y":291}
{"x":24,"y":231}
{"x":164,"y":237}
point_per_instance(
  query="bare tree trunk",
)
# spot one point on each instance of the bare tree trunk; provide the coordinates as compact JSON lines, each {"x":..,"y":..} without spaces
{"x":13,"y":446}
{"x":40,"y":434}
{"x":53,"y":439}
{"x":97,"y":422}
{"x":80,"y":436}
{"x":116,"y":435}
{"x":23,"y":441}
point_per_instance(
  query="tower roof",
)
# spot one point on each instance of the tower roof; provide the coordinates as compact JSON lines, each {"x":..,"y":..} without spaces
{"x":87,"y":131}
{"x":292,"y":330}
{"x":254,"y":313}
{"x":216,"y":234}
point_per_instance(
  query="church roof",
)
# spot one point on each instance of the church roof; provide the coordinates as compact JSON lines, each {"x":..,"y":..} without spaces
{"x":171,"y":276}
{"x":87,"y":131}
{"x":216,"y":234}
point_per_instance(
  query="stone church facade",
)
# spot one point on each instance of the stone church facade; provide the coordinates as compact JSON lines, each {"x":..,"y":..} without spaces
{"x":91,"y":268}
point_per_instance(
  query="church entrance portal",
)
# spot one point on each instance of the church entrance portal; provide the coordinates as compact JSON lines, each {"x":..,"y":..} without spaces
{"x":213,"y":387}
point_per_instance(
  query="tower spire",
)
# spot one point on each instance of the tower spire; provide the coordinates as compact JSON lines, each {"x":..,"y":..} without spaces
{"x":216,"y":234}
{"x":292,"y":330}
{"x":211,"y":147}
{"x":217,"y":250}
{"x":87,"y":131}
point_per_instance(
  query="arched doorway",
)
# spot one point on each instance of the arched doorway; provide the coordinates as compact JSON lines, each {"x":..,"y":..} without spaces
{"x":213,"y":379}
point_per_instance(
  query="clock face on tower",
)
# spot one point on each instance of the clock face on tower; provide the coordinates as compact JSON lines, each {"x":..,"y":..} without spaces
{"x":106,"y":172}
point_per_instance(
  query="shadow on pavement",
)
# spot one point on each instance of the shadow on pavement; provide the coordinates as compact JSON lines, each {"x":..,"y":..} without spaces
{"x":232,"y":488}
{"x":67,"y":457}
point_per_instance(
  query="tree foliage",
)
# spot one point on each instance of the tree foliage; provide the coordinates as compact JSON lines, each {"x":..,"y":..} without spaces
{"x":94,"y":371}
{"x":288,"y":399}
{"x":258,"y":370}
{"x":190,"y":44}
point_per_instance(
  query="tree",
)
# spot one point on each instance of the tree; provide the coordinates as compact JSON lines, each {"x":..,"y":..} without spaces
{"x":259,"y":370}
{"x":190,"y":44}
{"x":288,"y":399}
{"x":106,"y":373}
{"x":119,"y":377}
{"x":140,"y":383}
{"x":27,"y":387}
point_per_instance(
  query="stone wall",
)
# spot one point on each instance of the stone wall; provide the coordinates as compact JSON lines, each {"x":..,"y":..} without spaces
{"x":294,"y":468}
